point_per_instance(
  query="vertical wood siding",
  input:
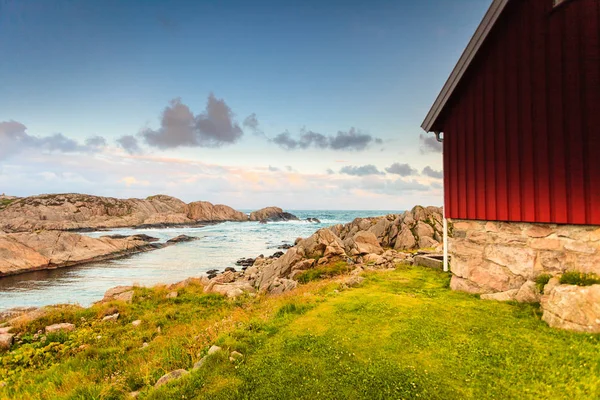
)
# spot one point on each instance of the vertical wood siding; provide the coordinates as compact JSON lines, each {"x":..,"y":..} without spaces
{"x":522,"y":130}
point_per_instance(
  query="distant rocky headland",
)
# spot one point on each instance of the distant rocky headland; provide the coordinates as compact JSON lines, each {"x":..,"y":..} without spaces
{"x":72,"y":212}
{"x":40,"y":232}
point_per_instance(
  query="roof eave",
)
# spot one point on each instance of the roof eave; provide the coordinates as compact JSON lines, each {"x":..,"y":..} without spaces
{"x":489,"y":20}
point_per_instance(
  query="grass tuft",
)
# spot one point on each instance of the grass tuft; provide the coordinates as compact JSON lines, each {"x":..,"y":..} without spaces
{"x":325,"y":271}
{"x":541,"y":281}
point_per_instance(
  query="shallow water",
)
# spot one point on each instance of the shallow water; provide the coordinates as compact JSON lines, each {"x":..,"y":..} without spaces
{"x":219,"y":246}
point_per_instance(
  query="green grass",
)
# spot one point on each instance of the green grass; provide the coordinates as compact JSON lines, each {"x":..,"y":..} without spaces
{"x":325,"y":271}
{"x":579,"y":278}
{"x":402,"y":334}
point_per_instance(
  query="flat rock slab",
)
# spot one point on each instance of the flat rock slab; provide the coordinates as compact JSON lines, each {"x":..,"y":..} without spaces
{"x":64,"y":327}
{"x":429,"y":261}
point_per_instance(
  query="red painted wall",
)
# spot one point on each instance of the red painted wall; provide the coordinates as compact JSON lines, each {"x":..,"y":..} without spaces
{"x":522,"y":130}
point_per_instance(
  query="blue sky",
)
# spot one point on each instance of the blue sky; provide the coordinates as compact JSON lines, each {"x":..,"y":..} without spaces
{"x":332,"y":86}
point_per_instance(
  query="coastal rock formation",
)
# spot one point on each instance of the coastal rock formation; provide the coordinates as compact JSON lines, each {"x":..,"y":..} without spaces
{"x":365,"y":243}
{"x":78,"y":211}
{"x":205,"y":211}
{"x":85,"y":212}
{"x":272,"y":214}
{"x":5,"y":200}
{"x":30,"y":251}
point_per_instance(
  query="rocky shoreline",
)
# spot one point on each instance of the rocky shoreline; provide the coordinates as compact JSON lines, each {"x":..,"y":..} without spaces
{"x":43,"y":232}
{"x":364,"y":244}
{"x":28,"y":252}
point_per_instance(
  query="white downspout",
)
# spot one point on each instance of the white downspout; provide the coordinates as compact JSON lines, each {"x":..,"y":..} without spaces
{"x":445,"y":242}
{"x":446,"y":264}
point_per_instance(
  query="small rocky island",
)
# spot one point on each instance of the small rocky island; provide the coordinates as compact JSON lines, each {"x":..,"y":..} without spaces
{"x":41,"y":232}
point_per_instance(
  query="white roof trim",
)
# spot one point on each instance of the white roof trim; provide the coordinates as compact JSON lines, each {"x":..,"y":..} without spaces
{"x":489,"y":20}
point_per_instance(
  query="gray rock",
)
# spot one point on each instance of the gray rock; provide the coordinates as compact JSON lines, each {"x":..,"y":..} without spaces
{"x":214,"y":349}
{"x":235,"y":356}
{"x":354,"y":281}
{"x":136,"y":323}
{"x":111,"y":318}
{"x":200,"y":363}
{"x":171,"y":376}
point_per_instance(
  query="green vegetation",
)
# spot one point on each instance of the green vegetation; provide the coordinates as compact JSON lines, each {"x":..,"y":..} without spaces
{"x":541,"y":281}
{"x":579,"y":278}
{"x":402,"y":334}
{"x":325,"y":271}
{"x":5,"y":203}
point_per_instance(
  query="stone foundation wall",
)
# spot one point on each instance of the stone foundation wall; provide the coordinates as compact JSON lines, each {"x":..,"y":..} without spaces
{"x":502,"y":260}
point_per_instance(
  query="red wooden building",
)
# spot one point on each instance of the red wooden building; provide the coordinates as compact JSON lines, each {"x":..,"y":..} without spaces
{"x":520,"y":116}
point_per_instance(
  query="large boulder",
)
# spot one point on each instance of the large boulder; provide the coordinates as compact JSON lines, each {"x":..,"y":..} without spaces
{"x":323,"y":243}
{"x":405,"y":240}
{"x":280,"y":268}
{"x":205,"y":211}
{"x":233,"y":289}
{"x":573,"y":307}
{"x":272,"y":214}
{"x":281,"y":285}
{"x":120,"y":293}
{"x":364,"y":242}
{"x":6,"y":341}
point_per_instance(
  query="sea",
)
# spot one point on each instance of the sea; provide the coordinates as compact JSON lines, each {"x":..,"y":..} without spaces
{"x":219,"y":246}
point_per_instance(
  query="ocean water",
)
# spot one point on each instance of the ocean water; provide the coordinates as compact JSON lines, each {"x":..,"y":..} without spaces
{"x":219,"y":246}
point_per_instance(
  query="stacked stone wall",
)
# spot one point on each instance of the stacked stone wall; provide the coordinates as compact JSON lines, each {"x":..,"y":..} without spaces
{"x":501,"y":261}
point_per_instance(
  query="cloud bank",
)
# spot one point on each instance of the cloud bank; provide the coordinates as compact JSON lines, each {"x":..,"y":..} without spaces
{"x":401,"y":169}
{"x":429,"y":144}
{"x":430,"y":172}
{"x":352,"y":139}
{"x":361,"y":171}
{"x":14,"y":139}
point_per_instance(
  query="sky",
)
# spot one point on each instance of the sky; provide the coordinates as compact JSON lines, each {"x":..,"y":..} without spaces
{"x":300,"y":104}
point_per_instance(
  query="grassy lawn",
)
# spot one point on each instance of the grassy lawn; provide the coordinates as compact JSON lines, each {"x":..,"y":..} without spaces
{"x":402,"y":334}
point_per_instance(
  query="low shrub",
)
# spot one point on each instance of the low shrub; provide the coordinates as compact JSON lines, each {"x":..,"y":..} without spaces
{"x":579,"y":278}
